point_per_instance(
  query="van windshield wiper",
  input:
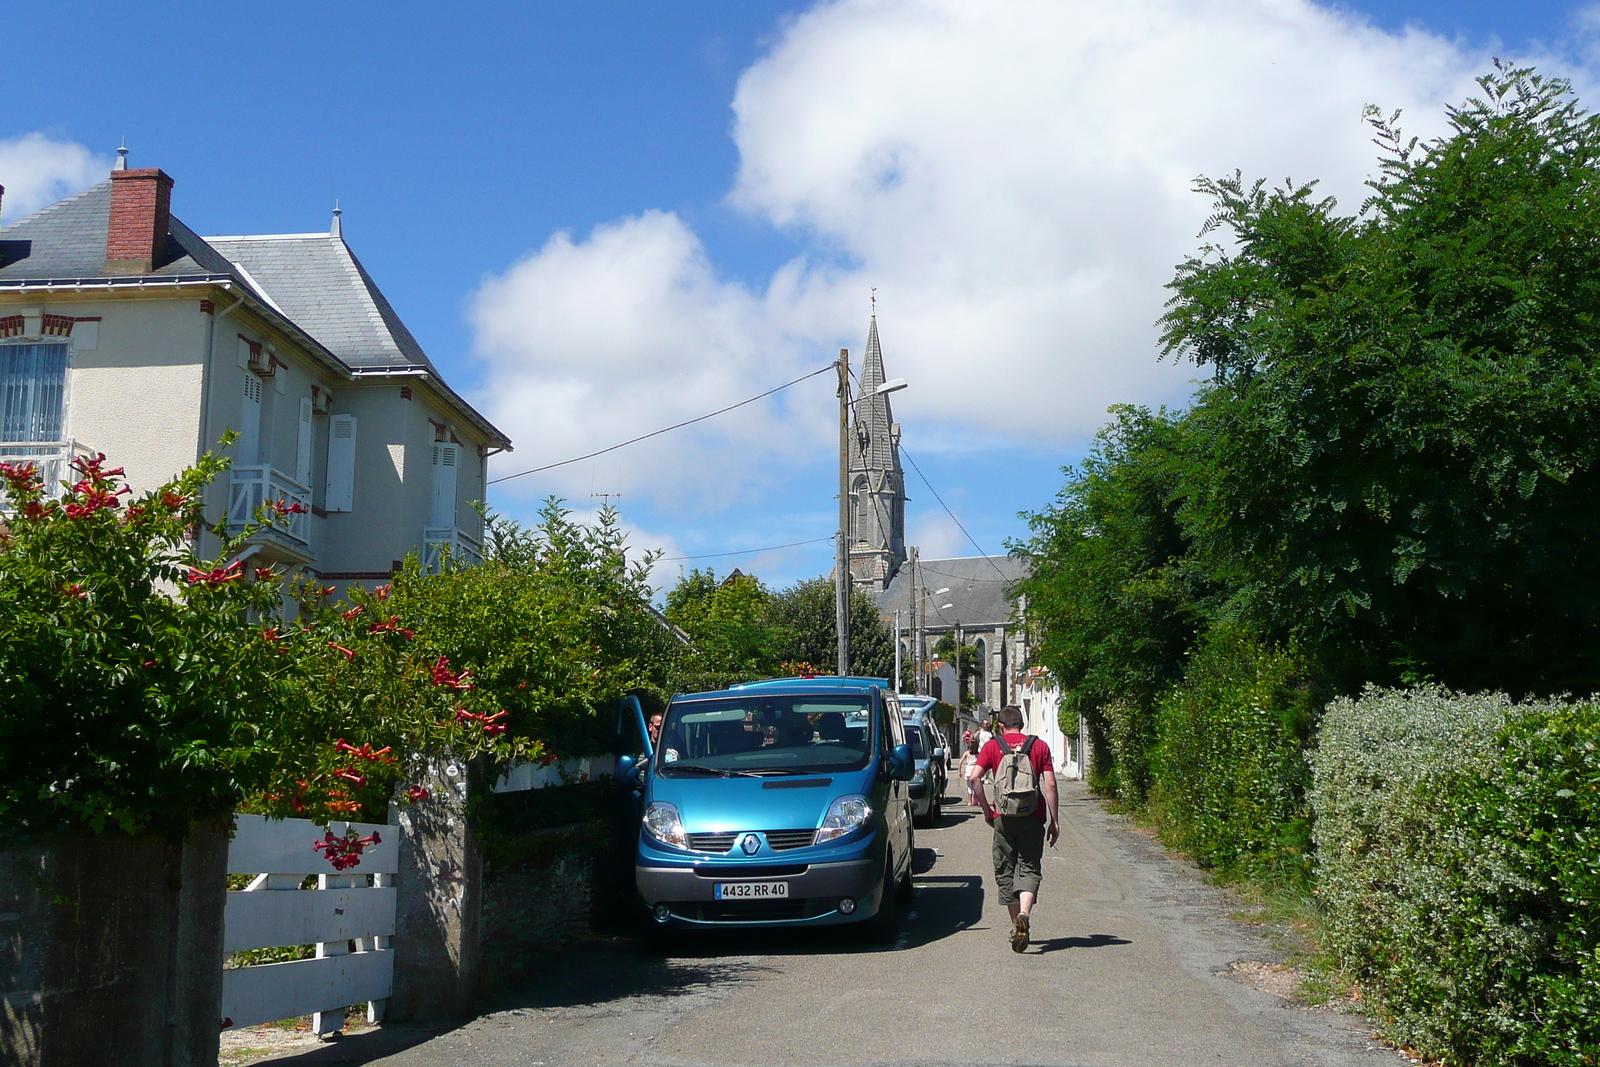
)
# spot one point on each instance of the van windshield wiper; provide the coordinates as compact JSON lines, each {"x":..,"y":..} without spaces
{"x":695,"y":768}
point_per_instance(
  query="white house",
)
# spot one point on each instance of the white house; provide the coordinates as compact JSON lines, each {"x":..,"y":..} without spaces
{"x":123,"y":332}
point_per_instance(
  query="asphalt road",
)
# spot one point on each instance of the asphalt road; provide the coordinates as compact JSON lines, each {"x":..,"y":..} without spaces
{"x":1130,"y":965}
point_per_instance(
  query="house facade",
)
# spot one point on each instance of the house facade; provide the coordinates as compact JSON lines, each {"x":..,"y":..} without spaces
{"x":124,"y":332}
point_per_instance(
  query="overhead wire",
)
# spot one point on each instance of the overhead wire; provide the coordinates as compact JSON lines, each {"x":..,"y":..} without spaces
{"x":749,"y":551}
{"x":952,"y":515}
{"x":664,"y":429}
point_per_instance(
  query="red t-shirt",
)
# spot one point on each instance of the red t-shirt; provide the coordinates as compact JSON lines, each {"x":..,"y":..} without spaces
{"x":989,"y":760}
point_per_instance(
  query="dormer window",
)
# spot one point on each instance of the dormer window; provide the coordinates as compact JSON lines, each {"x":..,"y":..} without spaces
{"x":33,"y":387}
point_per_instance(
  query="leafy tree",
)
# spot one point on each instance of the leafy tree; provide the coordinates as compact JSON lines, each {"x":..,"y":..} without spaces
{"x":803,"y":618}
{"x":971,"y":664}
{"x":727,"y":620}
{"x":1399,"y":459}
{"x":1107,"y":593}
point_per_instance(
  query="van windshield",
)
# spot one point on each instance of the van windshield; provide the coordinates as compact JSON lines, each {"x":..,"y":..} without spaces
{"x":810,"y":734}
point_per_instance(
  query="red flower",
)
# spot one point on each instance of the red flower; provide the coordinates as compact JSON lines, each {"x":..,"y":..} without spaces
{"x":73,"y":589}
{"x":272,"y":633}
{"x":34,"y":510}
{"x":286,"y":507}
{"x":217,"y":575}
{"x":416,"y":793}
{"x":174,"y":500}
{"x":264,"y":574}
{"x":349,"y":654}
{"x":350,"y":775}
{"x":443,"y":675}
{"x":381,"y":592}
{"x":353,"y":612}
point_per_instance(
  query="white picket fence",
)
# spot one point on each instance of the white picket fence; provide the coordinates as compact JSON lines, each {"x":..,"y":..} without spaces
{"x":354,"y":907}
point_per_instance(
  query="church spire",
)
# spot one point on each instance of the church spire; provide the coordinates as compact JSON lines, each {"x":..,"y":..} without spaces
{"x":877,"y":526}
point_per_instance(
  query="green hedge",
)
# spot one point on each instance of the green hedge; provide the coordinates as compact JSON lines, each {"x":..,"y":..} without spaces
{"x":1229,"y":773}
{"x":1457,"y":840}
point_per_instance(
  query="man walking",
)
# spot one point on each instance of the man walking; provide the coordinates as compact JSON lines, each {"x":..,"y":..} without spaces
{"x":1025,"y":812}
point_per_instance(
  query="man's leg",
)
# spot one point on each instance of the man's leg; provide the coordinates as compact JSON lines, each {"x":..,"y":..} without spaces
{"x":1029,"y":863}
{"x":1005,"y":865}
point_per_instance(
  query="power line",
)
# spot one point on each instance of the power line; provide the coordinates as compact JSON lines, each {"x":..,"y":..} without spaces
{"x":952,"y":514}
{"x":748,"y":551}
{"x":664,"y":429}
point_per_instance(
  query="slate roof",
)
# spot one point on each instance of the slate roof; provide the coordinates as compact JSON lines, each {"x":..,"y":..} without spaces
{"x":312,"y":280}
{"x":977,"y":590}
{"x":67,"y":242}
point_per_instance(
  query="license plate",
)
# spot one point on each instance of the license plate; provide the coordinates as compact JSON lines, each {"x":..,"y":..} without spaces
{"x":750,"y":890}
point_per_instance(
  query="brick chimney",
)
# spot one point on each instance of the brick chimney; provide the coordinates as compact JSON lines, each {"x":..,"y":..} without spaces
{"x":141,"y":209}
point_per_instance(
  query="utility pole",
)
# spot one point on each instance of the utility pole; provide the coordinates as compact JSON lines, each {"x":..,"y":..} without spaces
{"x":916,"y":636}
{"x":841,"y":583}
{"x":961,"y":683}
{"x":897,"y":650}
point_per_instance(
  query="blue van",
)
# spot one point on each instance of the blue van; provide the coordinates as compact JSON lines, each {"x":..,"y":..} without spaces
{"x":778,"y":803}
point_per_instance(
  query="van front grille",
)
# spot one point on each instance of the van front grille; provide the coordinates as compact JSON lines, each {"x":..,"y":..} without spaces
{"x":719,"y":842}
{"x":779,"y":840}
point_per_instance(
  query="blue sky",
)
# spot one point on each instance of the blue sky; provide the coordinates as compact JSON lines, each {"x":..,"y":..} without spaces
{"x":522,"y":177}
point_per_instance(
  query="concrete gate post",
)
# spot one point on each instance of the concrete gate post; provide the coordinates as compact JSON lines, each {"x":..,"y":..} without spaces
{"x":439,"y":901}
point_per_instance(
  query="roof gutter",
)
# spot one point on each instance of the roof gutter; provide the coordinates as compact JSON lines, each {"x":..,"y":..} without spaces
{"x":455,"y":399}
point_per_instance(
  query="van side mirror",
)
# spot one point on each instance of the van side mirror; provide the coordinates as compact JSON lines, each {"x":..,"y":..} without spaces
{"x":901,"y":765}
{"x":630,"y":772}
{"x":938,"y":754}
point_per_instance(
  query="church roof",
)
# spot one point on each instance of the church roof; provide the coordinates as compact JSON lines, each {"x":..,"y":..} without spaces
{"x":978,"y":590}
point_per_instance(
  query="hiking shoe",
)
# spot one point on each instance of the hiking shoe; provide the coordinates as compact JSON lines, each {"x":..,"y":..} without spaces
{"x":1019,"y":935}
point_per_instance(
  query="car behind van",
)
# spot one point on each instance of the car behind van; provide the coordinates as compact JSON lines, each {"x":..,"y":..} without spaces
{"x":778,"y":803}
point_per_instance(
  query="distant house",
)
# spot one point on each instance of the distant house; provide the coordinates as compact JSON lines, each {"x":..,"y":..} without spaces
{"x":123,"y":332}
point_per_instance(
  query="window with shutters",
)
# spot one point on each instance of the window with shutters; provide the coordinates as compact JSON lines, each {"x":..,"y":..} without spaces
{"x":303,"y":444}
{"x":446,"y":464}
{"x":33,"y":382}
{"x":341,"y":488}
{"x":249,"y":446}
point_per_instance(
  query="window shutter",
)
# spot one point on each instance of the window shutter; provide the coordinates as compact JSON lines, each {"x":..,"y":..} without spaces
{"x":250,"y":422}
{"x":341,"y":488}
{"x":32,"y":391}
{"x":302,"y":447}
{"x":446,"y":461}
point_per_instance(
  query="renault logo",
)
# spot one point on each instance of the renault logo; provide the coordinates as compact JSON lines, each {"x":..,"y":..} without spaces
{"x":751,"y":845}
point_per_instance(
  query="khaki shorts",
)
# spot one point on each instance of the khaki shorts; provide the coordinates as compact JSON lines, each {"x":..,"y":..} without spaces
{"x":1018,"y":853}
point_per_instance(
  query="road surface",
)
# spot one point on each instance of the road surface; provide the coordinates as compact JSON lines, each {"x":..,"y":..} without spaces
{"x":1130,"y":967}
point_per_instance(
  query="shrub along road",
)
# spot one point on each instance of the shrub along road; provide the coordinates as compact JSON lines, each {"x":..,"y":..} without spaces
{"x":1130,"y":966}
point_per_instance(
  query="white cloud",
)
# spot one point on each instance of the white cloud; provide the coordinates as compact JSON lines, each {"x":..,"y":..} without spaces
{"x":1014,"y":177}
{"x":937,"y":536}
{"x":628,"y":330}
{"x":37,"y":170}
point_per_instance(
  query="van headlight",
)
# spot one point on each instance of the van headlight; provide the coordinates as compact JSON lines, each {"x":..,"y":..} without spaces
{"x":921,"y":774}
{"x":662,"y":822}
{"x":846,"y":814}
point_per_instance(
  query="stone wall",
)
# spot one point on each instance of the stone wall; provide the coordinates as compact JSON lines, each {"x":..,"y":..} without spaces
{"x":111,"y":949}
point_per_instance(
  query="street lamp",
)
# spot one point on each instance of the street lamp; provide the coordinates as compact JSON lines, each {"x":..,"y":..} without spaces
{"x":841,"y":566}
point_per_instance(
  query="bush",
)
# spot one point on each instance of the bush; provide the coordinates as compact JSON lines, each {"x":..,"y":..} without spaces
{"x":1230,"y":776}
{"x":1457,"y":844}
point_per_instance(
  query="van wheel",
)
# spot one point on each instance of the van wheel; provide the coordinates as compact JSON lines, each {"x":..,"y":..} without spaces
{"x":882,"y":927}
{"x":905,"y":890}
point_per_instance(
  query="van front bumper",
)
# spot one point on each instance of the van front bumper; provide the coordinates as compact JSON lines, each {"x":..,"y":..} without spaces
{"x":814,"y":893}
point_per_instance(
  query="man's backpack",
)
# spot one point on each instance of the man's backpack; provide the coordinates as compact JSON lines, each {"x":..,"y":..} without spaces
{"x":1014,"y":780}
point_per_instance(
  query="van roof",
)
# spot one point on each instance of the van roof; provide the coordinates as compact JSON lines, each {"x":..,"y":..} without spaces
{"x":793,"y":685}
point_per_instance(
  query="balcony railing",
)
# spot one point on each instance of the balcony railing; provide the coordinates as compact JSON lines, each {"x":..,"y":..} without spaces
{"x":53,"y":458}
{"x":250,"y":487}
{"x":464,"y":550}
